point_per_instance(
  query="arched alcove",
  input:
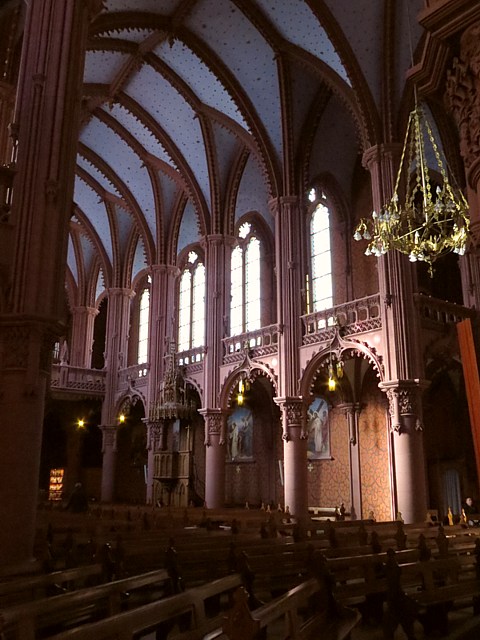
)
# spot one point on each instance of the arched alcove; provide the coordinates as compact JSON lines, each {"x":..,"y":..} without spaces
{"x":254,"y":451}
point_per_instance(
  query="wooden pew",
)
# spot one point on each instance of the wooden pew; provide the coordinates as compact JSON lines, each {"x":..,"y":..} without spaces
{"x":192,"y":614}
{"x":39,"y":586}
{"x":24,"y":622}
{"x":303,"y":612}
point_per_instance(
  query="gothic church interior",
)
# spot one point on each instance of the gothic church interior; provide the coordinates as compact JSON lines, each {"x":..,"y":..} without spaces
{"x":185,"y":316}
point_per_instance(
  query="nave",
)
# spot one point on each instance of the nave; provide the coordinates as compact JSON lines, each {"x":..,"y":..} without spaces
{"x":136,"y":572}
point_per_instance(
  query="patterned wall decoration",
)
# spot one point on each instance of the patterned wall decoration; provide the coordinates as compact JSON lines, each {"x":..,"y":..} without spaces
{"x":329,"y":480}
{"x":256,"y":479}
{"x":374,"y":456}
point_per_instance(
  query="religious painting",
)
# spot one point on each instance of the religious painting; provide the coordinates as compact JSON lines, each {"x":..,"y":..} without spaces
{"x":240,"y":434}
{"x":318,"y":430}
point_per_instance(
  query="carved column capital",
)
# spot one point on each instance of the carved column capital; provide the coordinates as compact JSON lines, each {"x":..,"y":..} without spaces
{"x":214,"y":425}
{"x":404,"y":401}
{"x":109,"y":437}
{"x":27,"y":344}
{"x":293,"y":416}
{"x":377,"y":154}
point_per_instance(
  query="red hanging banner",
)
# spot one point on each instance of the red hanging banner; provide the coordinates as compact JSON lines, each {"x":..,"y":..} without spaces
{"x":472,"y":382}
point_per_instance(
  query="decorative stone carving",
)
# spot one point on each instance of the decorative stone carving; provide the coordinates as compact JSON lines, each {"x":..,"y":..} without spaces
{"x":15,"y":340}
{"x":214,"y":426}
{"x":155,"y":431}
{"x":109,"y":438}
{"x":463,"y":94}
{"x":293,"y":413}
{"x":404,"y":401}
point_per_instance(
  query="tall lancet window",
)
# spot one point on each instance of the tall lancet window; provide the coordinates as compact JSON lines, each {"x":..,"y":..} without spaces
{"x":321,"y":289}
{"x":245,"y":305}
{"x":143,"y":326}
{"x":191,"y":313}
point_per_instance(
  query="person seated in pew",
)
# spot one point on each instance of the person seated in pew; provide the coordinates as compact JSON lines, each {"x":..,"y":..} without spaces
{"x":470,"y":510}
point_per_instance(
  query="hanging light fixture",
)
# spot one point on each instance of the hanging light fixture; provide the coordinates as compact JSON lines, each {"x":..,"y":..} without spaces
{"x":243,"y":387}
{"x":422,"y":224}
{"x":335,"y":371}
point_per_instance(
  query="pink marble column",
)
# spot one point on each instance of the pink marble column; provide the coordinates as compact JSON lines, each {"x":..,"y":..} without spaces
{"x":409,"y":461}
{"x":82,"y":336}
{"x":294,"y":455}
{"x":215,"y":458}
{"x":47,"y":116}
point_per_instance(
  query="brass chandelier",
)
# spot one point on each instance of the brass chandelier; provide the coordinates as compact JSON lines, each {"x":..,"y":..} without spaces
{"x":424,"y":225}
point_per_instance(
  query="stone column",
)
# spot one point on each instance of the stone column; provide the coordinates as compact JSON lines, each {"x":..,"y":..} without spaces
{"x":407,"y":432}
{"x":289,"y":311}
{"x":215,"y":458}
{"x":82,"y":336}
{"x":118,"y":321}
{"x":401,"y":348}
{"x":47,"y":118}
{"x":295,"y":439}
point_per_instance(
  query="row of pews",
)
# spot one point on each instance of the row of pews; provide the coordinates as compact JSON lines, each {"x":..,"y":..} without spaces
{"x":187,"y":580}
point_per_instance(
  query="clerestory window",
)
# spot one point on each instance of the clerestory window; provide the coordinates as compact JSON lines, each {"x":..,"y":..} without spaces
{"x":191,"y":315}
{"x":245,"y":305}
{"x":321,"y":288}
{"x":143,"y":326}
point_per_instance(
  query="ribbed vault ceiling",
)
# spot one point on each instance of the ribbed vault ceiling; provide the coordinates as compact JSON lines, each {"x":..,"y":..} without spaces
{"x":196,"y":112}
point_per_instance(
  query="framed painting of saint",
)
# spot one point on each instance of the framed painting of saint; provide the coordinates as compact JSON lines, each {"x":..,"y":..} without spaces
{"x":240,"y":435}
{"x":318,"y":421}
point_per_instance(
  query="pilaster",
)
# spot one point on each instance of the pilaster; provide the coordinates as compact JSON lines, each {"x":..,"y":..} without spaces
{"x":218,"y":250}
{"x":288,"y":247}
{"x":83,"y":320}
